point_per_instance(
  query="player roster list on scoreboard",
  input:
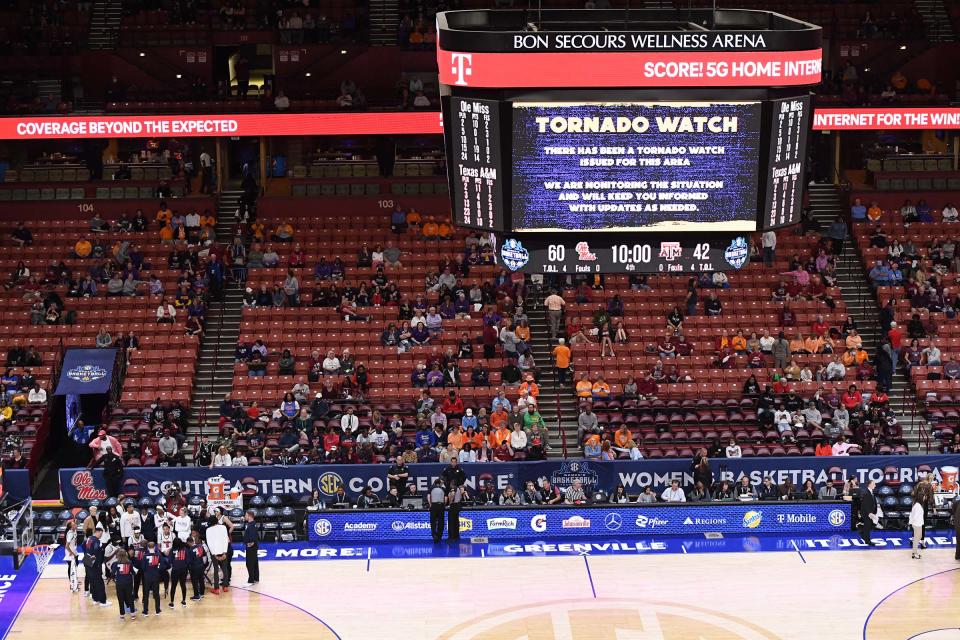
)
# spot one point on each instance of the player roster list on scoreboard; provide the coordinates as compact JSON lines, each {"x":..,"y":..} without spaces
{"x":668,"y":166}
{"x":785,"y":170}
{"x":476,"y":162}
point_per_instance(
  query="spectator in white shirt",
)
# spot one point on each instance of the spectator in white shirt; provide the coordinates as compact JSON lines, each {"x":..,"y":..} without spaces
{"x":281,"y":102}
{"x":37,"y":395}
{"x":674,"y":493}
{"x":240,"y":460}
{"x":768,"y":241}
{"x":734,"y":451}
{"x":841,"y":447}
{"x":331,"y":364}
{"x":949,"y":213}
{"x":166,"y":312}
{"x":349,"y":422}
{"x":192,"y":221}
{"x":836,"y":370}
{"x":222,"y":459}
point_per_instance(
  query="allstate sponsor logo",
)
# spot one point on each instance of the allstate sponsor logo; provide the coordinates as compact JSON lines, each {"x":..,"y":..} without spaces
{"x":837,"y":517}
{"x":360,"y":526}
{"x":613,"y":521}
{"x":322,"y":527}
{"x":752,"y":519}
{"x":87,"y":373}
{"x":649,"y":522}
{"x":400,"y":525}
{"x":539,"y":522}
{"x":576,"y":522}
{"x":501,"y":523}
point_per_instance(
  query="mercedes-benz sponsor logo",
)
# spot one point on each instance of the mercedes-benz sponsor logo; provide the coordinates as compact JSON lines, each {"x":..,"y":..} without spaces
{"x":613,"y":521}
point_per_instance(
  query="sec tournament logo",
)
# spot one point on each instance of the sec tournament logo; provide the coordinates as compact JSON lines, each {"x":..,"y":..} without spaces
{"x":322,"y":527}
{"x":737,"y":253}
{"x":836,"y":517}
{"x":329,"y":482}
{"x":514,"y":255}
{"x":87,"y":373}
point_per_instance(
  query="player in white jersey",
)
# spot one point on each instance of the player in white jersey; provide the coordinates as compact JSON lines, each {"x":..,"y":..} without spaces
{"x":164,"y":544}
{"x":71,"y":555}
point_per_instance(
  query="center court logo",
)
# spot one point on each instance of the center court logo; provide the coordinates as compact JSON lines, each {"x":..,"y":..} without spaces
{"x":539,"y":523}
{"x":837,"y":517}
{"x":613,"y":521}
{"x":618,"y":618}
{"x":322,"y":527}
{"x":501,"y":523}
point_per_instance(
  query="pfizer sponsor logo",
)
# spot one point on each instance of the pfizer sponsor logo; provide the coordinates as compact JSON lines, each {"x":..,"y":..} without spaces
{"x":649,"y":522}
{"x":322,"y":527}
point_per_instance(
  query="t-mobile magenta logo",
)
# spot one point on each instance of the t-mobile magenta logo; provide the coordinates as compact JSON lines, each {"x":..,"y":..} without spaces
{"x":461,"y":67}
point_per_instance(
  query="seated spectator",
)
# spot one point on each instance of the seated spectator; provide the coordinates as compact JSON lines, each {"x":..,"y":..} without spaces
{"x":21,"y":236}
{"x":600,"y":389}
{"x":283,"y":232}
{"x":712,"y":305}
{"x":673,"y":493}
{"x":858,"y":212}
{"x":37,"y":395}
{"x":949,"y":213}
{"x":166,"y":313}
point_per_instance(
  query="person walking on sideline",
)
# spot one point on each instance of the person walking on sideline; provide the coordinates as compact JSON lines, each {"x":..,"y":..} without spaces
{"x":251,"y":542}
{"x":917,"y":520}
{"x":436,"y":499}
{"x":868,"y":512}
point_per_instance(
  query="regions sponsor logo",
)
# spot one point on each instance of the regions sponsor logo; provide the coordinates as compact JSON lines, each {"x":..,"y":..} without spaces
{"x":574,"y":470}
{"x":400,"y":525}
{"x":576,"y":522}
{"x":322,"y":527}
{"x":82,"y":481}
{"x":329,"y":482}
{"x":613,"y":521}
{"x":87,"y":373}
{"x":752,"y":519}
{"x":360,"y":526}
{"x":501,"y":523}
{"x":514,"y":254}
{"x":649,"y":522}
{"x":837,"y":517}
{"x":704,"y":521}
{"x":737,"y":253}
{"x":539,"y":523}
{"x":466,"y":524}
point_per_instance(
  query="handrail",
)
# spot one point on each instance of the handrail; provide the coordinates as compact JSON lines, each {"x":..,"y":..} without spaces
{"x":563,"y":432}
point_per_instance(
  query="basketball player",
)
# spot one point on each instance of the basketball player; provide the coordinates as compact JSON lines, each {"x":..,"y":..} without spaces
{"x":136,"y":547}
{"x":198,"y":556}
{"x":179,"y":562}
{"x":151,"y":565}
{"x":71,"y":555}
{"x":218,"y":543}
{"x":123,"y":573}
{"x":165,"y":545}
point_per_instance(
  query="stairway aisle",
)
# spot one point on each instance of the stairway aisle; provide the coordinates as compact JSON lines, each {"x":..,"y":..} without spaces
{"x":104,"y":29}
{"x":552,"y":395}
{"x":214,"y":370}
{"x":826,"y":202}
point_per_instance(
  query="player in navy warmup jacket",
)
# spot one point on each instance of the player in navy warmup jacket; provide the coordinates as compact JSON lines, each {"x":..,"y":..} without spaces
{"x":136,"y":547}
{"x":198,"y":557}
{"x":152,"y":564}
{"x":179,"y":563}
{"x":93,"y":564}
{"x":123,"y":573}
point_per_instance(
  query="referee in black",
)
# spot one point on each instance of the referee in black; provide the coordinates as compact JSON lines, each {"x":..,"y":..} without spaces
{"x":436,"y":498}
{"x":251,"y":542}
{"x":456,"y":498}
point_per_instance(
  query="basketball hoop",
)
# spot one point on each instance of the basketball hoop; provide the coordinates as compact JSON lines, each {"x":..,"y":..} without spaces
{"x":42,"y":553}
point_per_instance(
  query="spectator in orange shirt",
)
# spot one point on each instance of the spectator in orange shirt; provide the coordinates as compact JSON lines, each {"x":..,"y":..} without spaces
{"x":257,"y":230}
{"x":209,"y":219}
{"x":824,"y":448}
{"x":414,"y":219}
{"x":561,"y":361}
{"x":584,"y":386}
{"x":164,"y":214}
{"x":444,"y":230}
{"x":83,"y":248}
{"x":601,"y":390}
{"x":430,"y":229}
{"x":530,"y":386}
{"x":499,"y":418}
{"x":739,"y":343}
{"x":283,"y":233}
{"x":874,"y":213}
{"x":166,"y":233}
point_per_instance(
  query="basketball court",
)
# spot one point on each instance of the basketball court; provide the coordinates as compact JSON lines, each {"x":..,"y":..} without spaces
{"x":734,"y":588}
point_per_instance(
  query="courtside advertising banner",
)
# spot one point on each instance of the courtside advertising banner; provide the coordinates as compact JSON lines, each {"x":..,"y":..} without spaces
{"x":538,"y":522}
{"x":79,"y":486}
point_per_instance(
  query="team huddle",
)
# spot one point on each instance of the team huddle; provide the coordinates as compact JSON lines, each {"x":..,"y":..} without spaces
{"x":140,"y":552}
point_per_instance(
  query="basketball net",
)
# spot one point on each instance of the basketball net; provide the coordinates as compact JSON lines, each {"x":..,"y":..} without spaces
{"x":42,"y":553}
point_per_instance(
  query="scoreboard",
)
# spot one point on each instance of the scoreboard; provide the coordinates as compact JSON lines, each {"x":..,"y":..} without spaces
{"x":654,"y":148}
{"x":476,"y":161}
